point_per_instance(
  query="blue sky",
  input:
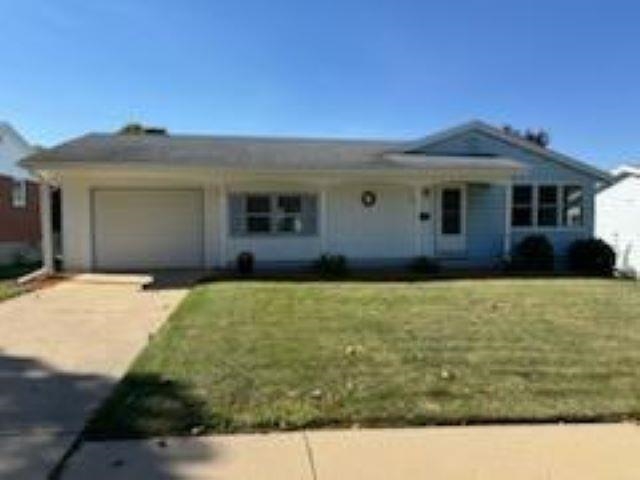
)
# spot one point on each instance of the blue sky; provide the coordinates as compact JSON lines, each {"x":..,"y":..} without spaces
{"x":397,"y":69}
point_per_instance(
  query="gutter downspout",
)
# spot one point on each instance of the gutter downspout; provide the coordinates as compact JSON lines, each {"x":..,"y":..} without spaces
{"x":46,"y":228}
{"x":46,"y":238}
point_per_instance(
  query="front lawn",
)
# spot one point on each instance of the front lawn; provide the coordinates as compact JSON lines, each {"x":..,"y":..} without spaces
{"x":244,"y":356}
{"x":9,"y":289}
{"x":8,"y":275}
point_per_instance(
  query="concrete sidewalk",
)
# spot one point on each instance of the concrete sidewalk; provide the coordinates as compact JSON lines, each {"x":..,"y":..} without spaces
{"x":62,"y":349}
{"x":549,"y":452}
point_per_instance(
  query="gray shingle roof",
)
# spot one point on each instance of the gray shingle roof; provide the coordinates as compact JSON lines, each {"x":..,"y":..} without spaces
{"x":247,"y":153}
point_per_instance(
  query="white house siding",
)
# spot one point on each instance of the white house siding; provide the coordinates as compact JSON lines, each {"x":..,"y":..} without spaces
{"x":147,"y":228}
{"x":385,"y":231}
{"x":382,"y":232}
{"x":77,"y":234}
{"x":618,"y":222}
{"x":12,"y":148}
{"x":276,"y":249}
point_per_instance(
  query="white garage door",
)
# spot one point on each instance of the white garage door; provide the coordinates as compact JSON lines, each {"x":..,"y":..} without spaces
{"x":147,"y":229}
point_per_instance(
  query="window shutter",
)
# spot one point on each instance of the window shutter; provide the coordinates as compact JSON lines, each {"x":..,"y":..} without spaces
{"x":309,"y":214}
{"x":236,"y":217}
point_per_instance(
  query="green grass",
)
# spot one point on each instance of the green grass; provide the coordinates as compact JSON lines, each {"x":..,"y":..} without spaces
{"x":245,"y":356}
{"x":9,"y":289}
{"x":8,"y":275}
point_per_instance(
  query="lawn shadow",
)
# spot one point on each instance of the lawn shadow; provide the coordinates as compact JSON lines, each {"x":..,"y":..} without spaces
{"x":174,"y":279}
{"x":387,"y":275}
{"x":127,"y":436}
{"x":144,"y":405}
{"x":42,"y":410}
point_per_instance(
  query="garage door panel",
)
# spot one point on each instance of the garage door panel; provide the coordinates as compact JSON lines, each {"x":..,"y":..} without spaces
{"x":146,"y":229}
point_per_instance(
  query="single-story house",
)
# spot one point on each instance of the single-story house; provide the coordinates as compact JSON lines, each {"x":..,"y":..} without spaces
{"x":19,"y":201}
{"x":618,"y":218}
{"x":464,"y":196}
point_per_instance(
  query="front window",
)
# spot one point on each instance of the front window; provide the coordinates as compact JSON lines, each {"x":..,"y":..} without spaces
{"x":548,"y":206}
{"x":522,"y":210}
{"x":289,"y":214}
{"x":572,"y":206}
{"x":273,"y":214}
{"x":258,"y":214}
{"x":19,"y":194}
{"x":451,"y":211}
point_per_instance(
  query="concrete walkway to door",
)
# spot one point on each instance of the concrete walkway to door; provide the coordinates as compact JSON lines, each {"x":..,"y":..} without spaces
{"x":62,"y":349}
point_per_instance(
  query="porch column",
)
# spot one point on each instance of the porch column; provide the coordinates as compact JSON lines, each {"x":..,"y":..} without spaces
{"x":223,"y":225}
{"x":46,"y":227}
{"x":507,"y":221}
{"x":417,"y":223}
{"x":324,"y":223}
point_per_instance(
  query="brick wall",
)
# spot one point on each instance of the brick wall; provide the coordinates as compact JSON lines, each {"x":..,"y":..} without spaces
{"x":19,"y":224}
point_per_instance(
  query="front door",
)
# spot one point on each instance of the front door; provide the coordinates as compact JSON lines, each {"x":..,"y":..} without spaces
{"x":427,"y":221}
{"x":451,"y":228}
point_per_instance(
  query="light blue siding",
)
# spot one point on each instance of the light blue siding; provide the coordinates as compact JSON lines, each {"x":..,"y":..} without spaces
{"x":485,"y":224}
{"x":486,"y":203}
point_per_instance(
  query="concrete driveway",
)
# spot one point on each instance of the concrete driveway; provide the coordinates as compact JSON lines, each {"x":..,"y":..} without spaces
{"x":62,"y":349}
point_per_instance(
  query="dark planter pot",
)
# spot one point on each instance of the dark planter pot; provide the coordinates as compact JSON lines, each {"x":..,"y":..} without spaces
{"x":245,"y":263}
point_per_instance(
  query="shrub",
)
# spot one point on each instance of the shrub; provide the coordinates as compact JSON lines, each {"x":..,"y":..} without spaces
{"x":245,"y":263}
{"x":331,"y":265}
{"x":591,"y":256}
{"x":424,"y":264}
{"x":19,"y":259}
{"x":533,"y":253}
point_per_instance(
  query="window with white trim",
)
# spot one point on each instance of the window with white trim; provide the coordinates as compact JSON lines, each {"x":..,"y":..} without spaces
{"x":19,"y":194}
{"x":273,"y":214}
{"x":572,"y":206}
{"x":547,"y":206}
{"x":522,"y":206}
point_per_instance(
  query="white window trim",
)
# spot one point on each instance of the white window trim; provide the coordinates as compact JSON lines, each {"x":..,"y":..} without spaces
{"x":534,"y":227}
{"x":22,"y":185}
{"x":274,"y":215}
{"x":558,"y":205}
{"x":531,"y":206}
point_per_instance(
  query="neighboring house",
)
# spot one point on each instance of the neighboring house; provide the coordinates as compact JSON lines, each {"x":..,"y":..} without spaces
{"x":464,"y":196}
{"x":618,"y":218}
{"x":19,"y":199}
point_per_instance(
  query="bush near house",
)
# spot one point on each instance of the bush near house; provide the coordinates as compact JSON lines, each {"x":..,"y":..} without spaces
{"x":533,"y":253}
{"x":331,"y":266}
{"x":425,"y":265}
{"x":245,"y":263}
{"x":592,"y":257}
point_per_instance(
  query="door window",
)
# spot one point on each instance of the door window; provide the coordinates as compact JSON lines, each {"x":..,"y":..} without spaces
{"x":451,"y":211}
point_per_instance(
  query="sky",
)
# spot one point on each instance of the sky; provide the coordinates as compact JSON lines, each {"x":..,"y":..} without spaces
{"x":352,"y":68}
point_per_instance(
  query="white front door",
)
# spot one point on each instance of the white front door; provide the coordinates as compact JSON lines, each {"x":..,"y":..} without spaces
{"x":427,"y":221}
{"x":451,"y":224}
